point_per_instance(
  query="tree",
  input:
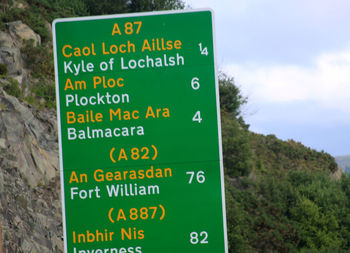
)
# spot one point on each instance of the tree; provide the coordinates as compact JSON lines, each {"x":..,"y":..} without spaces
{"x":237,"y":153}
{"x":123,"y":6}
{"x":154,"y":5}
{"x":231,"y":99}
{"x":235,"y":138}
{"x":106,"y":6}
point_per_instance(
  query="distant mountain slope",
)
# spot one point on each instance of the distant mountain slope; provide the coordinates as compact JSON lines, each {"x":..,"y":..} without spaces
{"x":343,"y":162}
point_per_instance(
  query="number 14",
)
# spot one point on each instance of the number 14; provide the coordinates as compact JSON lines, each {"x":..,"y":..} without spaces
{"x":204,"y":50}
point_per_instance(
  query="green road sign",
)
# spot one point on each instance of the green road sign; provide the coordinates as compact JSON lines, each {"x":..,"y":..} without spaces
{"x":140,"y":141}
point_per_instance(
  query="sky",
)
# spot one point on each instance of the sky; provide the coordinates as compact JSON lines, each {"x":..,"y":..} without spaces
{"x":291,"y":59}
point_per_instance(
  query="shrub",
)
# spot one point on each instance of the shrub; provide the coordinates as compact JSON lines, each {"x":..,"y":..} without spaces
{"x":39,"y":60}
{"x":3,"y":70}
{"x":44,"y":91}
{"x":13,"y":88}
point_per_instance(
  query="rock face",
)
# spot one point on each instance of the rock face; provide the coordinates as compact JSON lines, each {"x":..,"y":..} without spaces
{"x":10,"y":54}
{"x":11,"y":43}
{"x":23,"y":32}
{"x":30,"y":204}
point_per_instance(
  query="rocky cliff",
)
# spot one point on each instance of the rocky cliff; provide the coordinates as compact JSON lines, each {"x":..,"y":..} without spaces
{"x":30,"y":207}
{"x":29,"y":178}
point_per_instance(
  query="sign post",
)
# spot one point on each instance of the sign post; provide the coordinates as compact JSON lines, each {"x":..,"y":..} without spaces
{"x":139,"y":131}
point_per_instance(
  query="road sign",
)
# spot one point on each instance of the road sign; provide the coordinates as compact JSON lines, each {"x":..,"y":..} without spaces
{"x":139,"y":131}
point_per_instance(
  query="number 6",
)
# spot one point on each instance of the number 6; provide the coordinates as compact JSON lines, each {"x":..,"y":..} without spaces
{"x":195,"y":83}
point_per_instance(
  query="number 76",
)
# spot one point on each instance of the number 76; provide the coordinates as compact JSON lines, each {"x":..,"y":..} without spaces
{"x":200,"y":176}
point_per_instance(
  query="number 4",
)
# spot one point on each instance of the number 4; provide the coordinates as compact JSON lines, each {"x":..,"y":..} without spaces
{"x":197,"y":117}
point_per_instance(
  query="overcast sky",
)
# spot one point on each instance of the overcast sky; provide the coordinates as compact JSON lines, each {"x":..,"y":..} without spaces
{"x":292,"y":60}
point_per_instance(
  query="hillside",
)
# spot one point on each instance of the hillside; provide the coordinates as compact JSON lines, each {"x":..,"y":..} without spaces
{"x":275,"y":154}
{"x":280,"y":195}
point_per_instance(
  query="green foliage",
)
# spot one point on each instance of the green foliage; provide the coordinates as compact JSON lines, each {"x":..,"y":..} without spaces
{"x":3,"y":70}
{"x":32,"y":18}
{"x":231,"y":99}
{"x":238,"y":204}
{"x":13,"y":88}
{"x":317,"y":230}
{"x":235,"y":138}
{"x":44,"y":94}
{"x":292,"y":205}
{"x":39,"y":60}
{"x":40,"y":13}
{"x":153,"y":5}
{"x":258,"y":222}
{"x":106,"y":6}
{"x":123,"y":6}
{"x":52,"y":9}
{"x":275,"y":154}
{"x":236,"y":148}
{"x":265,"y":216}
{"x":4,"y":10}
{"x":301,"y":211}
